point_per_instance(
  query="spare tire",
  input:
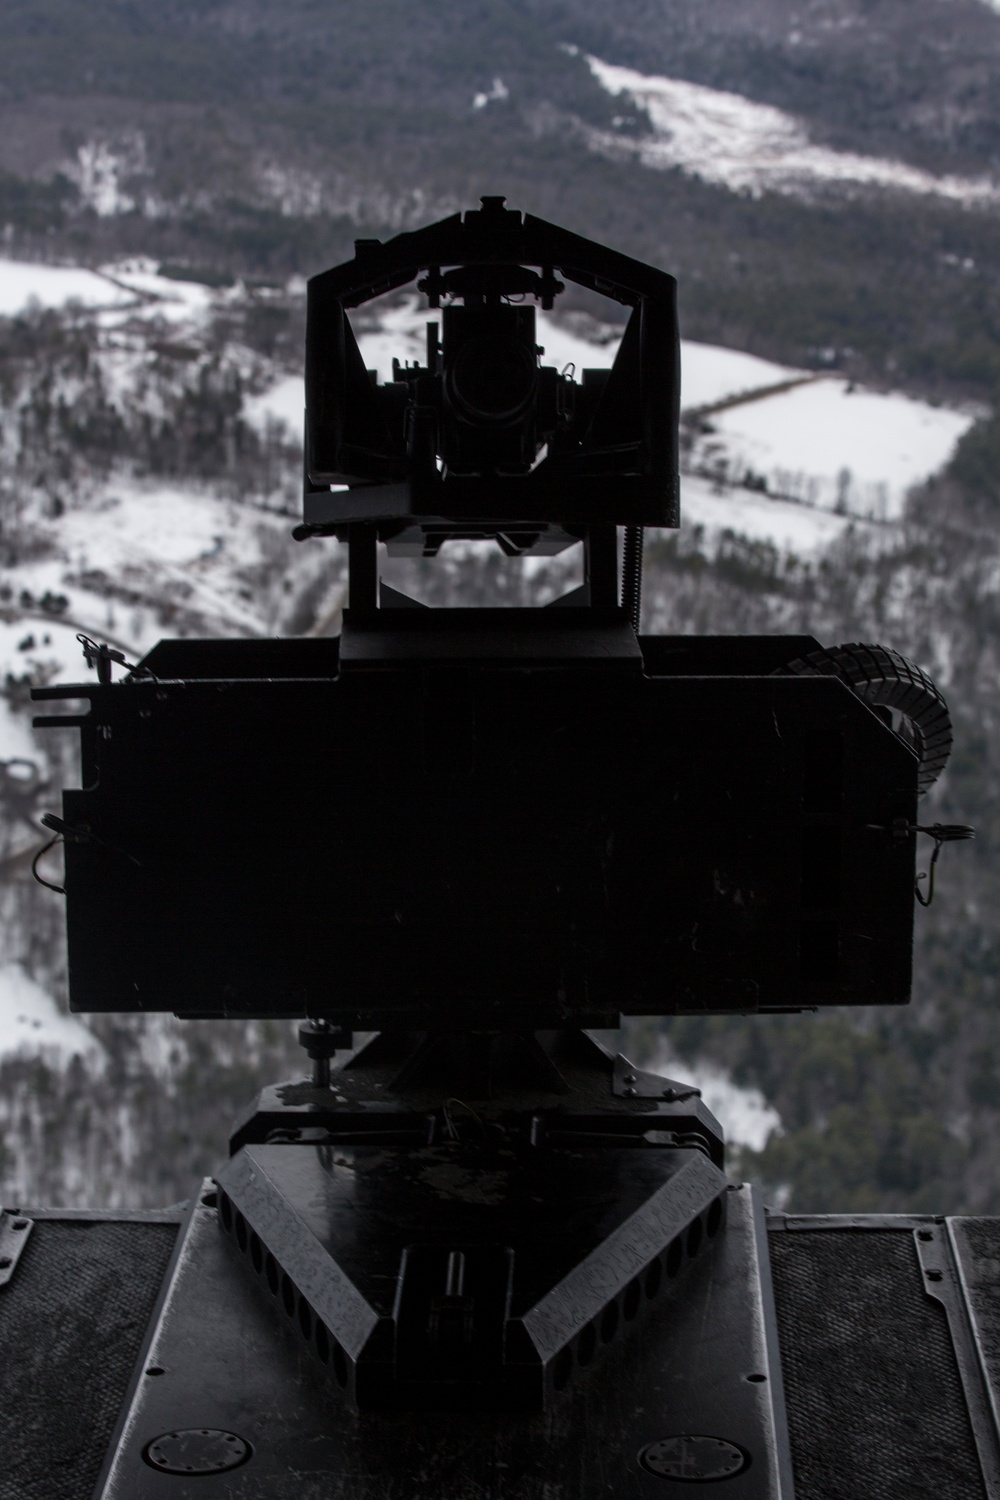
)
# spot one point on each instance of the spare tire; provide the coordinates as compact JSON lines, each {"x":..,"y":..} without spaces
{"x":884,"y":679}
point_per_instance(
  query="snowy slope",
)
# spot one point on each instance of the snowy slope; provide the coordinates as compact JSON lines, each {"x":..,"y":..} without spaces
{"x":815,"y":441}
{"x":31,"y":1023}
{"x":744,"y":146}
{"x":789,"y":526}
{"x":820,"y":441}
{"x":22,"y":283}
{"x":710,"y":374}
{"x":124,"y":285}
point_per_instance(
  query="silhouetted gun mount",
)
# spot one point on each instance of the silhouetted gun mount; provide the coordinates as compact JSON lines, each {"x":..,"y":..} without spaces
{"x":480,"y":831}
{"x":483,"y":440}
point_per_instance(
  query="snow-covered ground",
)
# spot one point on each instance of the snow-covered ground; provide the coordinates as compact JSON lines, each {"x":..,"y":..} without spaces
{"x":160,"y":543}
{"x":732,"y":141}
{"x":284,"y":403}
{"x":120,"y":287}
{"x":710,"y":374}
{"x":32,"y":1023}
{"x":815,"y":440}
{"x":834,"y":445}
{"x":790,"y":527}
{"x":22,"y":283}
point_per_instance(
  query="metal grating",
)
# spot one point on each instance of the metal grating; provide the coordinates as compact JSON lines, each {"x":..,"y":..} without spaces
{"x":875,"y":1404}
{"x":72,"y":1321}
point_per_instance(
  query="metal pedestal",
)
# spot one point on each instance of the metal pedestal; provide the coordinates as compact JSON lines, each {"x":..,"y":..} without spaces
{"x":225,"y":1360}
{"x":543,"y":1291}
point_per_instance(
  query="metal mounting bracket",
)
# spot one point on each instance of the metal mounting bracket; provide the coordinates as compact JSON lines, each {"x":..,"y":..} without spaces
{"x":943,"y":1280}
{"x":14,"y":1232}
{"x":630,"y":1082}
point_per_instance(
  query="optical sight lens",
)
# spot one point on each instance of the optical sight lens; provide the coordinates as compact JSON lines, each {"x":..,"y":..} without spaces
{"x":492,"y":379}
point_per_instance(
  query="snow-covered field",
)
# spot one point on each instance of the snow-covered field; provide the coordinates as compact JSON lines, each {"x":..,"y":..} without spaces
{"x":788,"y":526}
{"x":53,"y":286}
{"x":732,"y":141}
{"x":821,"y":441}
{"x":115,"y":288}
{"x":168,"y":541}
{"x":834,"y":445}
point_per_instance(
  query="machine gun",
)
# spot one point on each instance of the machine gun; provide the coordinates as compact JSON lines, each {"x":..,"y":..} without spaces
{"x":481,"y":1255}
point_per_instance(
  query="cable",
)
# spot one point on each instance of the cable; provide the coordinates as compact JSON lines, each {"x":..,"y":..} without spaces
{"x":60,"y":890}
{"x":941,"y":833}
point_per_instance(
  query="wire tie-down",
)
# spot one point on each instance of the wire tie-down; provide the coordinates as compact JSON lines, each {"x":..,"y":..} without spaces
{"x":66,"y":833}
{"x":941,"y":833}
{"x":451,"y":1129}
{"x":101,"y":656}
{"x":60,"y":890}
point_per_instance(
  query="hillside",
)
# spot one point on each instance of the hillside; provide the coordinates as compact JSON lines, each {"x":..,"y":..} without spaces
{"x":245,"y":138}
{"x":825,"y":183}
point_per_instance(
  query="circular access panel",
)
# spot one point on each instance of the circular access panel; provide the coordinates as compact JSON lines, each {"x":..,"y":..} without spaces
{"x":196,"y":1450}
{"x":694,"y":1458}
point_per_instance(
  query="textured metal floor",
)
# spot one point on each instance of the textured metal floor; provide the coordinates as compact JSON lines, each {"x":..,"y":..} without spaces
{"x":72,"y":1321}
{"x":878,"y":1408}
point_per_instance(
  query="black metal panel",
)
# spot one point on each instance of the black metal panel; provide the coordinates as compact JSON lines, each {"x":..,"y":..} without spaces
{"x":469,"y":845}
{"x":721,"y":655}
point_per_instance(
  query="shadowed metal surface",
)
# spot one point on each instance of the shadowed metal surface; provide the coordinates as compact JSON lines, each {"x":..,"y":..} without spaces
{"x":233,"y":1361}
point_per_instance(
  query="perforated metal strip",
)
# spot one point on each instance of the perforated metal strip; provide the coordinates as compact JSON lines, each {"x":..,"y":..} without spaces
{"x":941,"y":1268}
